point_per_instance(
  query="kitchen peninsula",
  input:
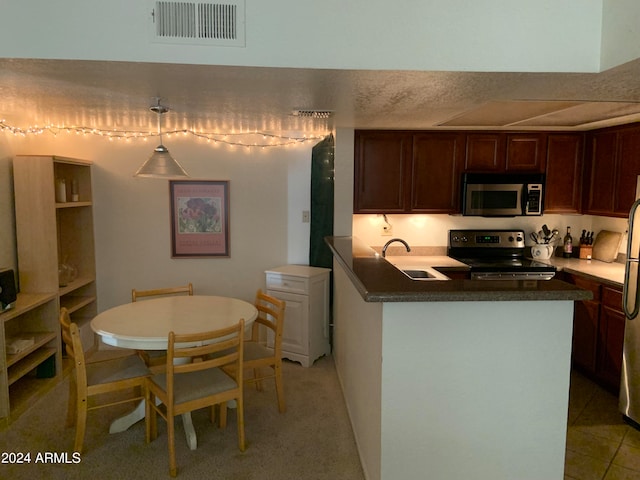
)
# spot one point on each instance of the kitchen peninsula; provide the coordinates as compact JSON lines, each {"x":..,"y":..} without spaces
{"x":452,"y":379}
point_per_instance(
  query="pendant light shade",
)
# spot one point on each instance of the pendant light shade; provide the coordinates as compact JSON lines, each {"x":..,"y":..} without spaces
{"x":161,"y":164}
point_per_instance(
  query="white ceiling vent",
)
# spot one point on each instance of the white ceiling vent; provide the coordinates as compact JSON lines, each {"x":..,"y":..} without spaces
{"x":199,"y":23}
{"x":312,"y":113}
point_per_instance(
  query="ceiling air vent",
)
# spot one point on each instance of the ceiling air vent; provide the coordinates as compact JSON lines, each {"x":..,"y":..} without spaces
{"x":312,"y":113}
{"x":199,"y":23}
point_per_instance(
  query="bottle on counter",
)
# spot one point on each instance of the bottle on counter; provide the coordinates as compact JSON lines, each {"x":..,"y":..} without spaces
{"x":567,"y":247}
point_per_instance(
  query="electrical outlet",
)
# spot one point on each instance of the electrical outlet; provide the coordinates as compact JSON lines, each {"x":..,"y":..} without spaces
{"x":387,"y":230}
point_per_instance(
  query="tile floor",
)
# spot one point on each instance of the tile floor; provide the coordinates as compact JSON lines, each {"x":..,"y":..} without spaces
{"x":600,"y":446}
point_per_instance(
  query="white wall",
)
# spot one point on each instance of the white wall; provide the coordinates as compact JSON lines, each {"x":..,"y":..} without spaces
{"x":269,"y":188}
{"x":620,"y":42}
{"x":475,"y":390}
{"x":357,"y":351}
{"x":448,"y":35}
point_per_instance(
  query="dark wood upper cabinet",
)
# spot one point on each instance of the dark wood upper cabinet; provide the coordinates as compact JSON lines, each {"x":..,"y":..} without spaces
{"x":485,"y":152}
{"x":613,"y":168}
{"x":382,"y":168}
{"x":405,"y":172}
{"x":435,"y":175}
{"x":419,"y":171}
{"x":500,"y":152}
{"x":563,"y":189}
{"x":628,"y":169}
{"x":525,"y":152}
{"x":601,"y":169}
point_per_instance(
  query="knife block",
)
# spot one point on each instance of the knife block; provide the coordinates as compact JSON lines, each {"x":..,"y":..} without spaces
{"x":585,"y":252}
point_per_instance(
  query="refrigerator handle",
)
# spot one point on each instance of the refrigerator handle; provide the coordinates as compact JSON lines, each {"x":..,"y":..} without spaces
{"x":631,"y":313}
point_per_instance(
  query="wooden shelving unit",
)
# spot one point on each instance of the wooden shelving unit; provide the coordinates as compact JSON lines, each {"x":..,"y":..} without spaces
{"x":51,"y":230}
{"x":34,"y":317}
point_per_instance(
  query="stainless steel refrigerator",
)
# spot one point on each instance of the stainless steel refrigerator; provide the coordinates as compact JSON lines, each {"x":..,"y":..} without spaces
{"x":630,"y":379}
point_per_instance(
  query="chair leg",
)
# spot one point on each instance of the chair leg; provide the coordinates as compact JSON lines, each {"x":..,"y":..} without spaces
{"x":81,"y":423}
{"x":149,"y":413}
{"x":73,"y":401}
{"x":256,"y":376}
{"x":212,"y":414}
{"x":280,"y":389}
{"x":223,"y":415}
{"x":240,"y":416}
{"x":173,"y":469}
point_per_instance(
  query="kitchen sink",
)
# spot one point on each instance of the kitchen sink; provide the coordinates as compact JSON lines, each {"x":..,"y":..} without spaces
{"x":418,"y":274}
{"x":417,"y":268}
{"x":421,"y":273}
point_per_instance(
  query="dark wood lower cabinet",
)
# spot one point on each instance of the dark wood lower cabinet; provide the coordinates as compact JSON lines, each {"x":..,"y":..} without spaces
{"x":598,"y":332}
{"x":611,"y":334}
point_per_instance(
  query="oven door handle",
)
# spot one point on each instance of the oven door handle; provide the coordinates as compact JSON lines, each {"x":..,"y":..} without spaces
{"x":512,"y":276}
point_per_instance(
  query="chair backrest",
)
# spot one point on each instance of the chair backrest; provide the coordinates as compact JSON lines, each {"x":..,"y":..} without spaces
{"x":76,"y":351}
{"x":214,"y":349}
{"x":270,"y":315}
{"x":135,"y":294}
{"x":65,"y":324}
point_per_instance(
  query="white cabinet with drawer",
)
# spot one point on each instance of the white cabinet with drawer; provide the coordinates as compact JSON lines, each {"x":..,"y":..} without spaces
{"x":306,"y":322}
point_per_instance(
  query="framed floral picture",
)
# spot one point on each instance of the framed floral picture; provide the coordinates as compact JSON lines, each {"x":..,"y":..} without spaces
{"x":199,"y":218}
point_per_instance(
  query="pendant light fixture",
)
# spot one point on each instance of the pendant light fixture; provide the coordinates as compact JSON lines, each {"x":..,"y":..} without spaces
{"x":160,"y":164}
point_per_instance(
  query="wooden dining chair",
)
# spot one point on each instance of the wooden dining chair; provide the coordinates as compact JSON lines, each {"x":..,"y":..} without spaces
{"x":94,"y":354}
{"x":157,"y":292}
{"x":157,"y":358}
{"x":266,"y":362}
{"x":90,"y":381}
{"x":196,"y":377}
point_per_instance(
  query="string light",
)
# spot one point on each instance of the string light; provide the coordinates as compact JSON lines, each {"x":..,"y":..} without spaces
{"x":262,"y":139}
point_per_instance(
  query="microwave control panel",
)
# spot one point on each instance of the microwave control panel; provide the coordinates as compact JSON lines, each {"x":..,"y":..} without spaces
{"x":534,"y":199}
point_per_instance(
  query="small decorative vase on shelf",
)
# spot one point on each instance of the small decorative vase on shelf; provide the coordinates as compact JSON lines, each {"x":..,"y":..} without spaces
{"x":61,"y":190}
{"x":67,"y":273}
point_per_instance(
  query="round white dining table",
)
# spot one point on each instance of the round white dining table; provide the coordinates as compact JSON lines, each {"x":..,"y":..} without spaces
{"x":145,"y":325}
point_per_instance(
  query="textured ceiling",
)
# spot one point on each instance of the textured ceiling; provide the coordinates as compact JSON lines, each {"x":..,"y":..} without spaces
{"x":117,"y":95}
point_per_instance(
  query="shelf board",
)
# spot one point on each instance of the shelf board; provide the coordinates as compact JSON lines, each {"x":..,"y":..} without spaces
{"x":73,"y":204}
{"x":40,"y":339}
{"x":77,"y":283}
{"x":28,"y":363}
{"x":74,"y":303}
{"x":71,"y":161}
{"x":26,"y":302}
{"x":24,"y":393}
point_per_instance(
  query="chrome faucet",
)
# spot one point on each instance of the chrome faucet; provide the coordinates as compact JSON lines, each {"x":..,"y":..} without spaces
{"x":386,"y":245}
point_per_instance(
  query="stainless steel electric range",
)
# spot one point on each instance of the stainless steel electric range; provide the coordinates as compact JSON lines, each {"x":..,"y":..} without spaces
{"x":496,"y":255}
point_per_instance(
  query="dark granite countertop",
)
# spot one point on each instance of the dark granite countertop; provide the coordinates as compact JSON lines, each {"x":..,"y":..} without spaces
{"x":379,"y":281}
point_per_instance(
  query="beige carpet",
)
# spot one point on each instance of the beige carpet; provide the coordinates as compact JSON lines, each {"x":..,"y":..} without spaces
{"x":312,"y":440}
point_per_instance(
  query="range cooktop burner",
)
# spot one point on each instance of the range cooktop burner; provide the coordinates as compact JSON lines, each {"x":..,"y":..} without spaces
{"x":506,"y":264}
{"x":496,"y":254}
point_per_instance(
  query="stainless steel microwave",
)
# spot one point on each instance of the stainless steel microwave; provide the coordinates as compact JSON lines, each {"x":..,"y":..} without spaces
{"x":502,"y":195}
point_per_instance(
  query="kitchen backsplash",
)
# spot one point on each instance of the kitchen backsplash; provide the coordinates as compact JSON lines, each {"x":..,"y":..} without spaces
{"x":433,"y":230}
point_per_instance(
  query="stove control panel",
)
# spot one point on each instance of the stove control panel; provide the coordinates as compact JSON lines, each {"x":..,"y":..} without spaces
{"x":486,"y":238}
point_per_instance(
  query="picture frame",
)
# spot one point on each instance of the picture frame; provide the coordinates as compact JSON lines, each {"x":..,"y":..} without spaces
{"x":199,"y":218}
